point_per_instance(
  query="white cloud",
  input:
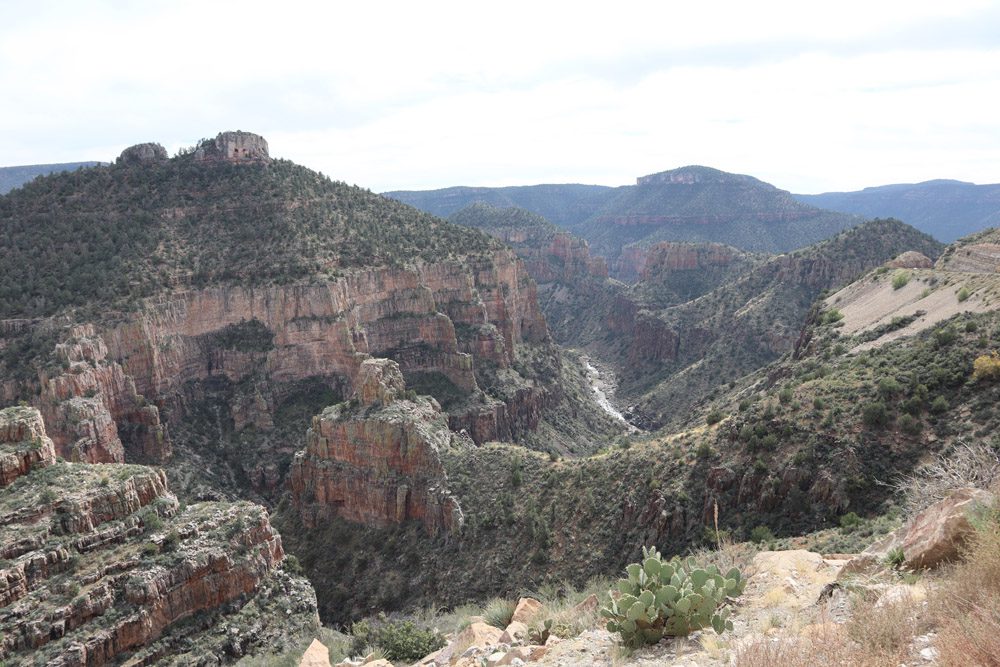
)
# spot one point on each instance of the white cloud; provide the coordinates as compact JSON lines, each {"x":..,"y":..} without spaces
{"x":400,"y":95}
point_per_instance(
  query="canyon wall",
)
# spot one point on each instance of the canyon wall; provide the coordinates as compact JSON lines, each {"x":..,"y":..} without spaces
{"x":100,"y":560}
{"x":111,"y":382}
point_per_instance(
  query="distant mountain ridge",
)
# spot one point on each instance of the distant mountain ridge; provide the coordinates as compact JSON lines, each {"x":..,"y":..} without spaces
{"x":688,"y":204}
{"x":13,"y":177}
{"x":946,"y":209}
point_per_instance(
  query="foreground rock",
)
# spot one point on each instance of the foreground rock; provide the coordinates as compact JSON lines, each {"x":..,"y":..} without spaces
{"x":937,"y":534}
{"x":100,"y":562}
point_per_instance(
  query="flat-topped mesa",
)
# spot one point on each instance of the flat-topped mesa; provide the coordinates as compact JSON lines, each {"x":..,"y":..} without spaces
{"x":694,"y":174}
{"x":24,"y":446}
{"x":236,"y":146}
{"x":375,"y":459}
{"x":143,"y":153}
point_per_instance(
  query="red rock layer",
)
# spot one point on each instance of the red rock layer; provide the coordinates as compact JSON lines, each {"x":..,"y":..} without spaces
{"x":24,"y":444}
{"x":374,"y":460}
{"x":319,"y":329}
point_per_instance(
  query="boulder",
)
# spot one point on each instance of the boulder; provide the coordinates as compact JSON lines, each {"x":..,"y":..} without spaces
{"x":937,"y":534}
{"x":316,"y":655}
{"x":516,"y":633}
{"x":477,"y":635}
{"x":526,"y":609}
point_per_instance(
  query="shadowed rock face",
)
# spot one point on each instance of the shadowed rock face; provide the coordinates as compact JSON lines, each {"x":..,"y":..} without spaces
{"x":375,"y":459}
{"x":99,"y":561}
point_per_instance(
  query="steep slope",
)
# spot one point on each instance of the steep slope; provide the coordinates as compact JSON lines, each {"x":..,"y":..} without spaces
{"x":100,"y":563}
{"x":565,"y":205}
{"x":211,"y":303}
{"x":945,"y":209}
{"x":14,"y":177}
{"x":672,"y":355}
{"x":700,"y":204}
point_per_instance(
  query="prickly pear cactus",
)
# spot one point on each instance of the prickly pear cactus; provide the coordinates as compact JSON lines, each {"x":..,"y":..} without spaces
{"x":670,"y":598}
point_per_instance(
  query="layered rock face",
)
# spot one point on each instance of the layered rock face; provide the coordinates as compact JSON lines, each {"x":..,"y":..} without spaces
{"x":99,"y":561}
{"x":375,"y":459}
{"x":972,"y":258}
{"x":24,"y":446}
{"x":553,"y":257}
{"x":433,"y":318}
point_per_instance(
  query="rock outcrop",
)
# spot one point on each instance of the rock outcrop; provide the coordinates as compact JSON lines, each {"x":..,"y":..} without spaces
{"x":911,"y":259}
{"x":24,"y":446}
{"x":937,"y":534}
{"x":142,"y":153}
{"x":233,"y":147}
{"x":99,"y":561}
{"x":971,"y":258}
{"x":375,"y":459}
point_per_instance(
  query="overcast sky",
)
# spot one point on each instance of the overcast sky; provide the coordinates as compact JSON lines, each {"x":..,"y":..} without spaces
{"x":417,"y":95}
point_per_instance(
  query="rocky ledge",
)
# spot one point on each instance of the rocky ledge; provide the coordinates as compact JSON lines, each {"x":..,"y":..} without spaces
{"x":375,"y":458}
{"x":100,"y":562}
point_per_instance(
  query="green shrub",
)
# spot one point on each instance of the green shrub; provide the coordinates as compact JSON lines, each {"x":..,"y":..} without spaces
{"x":939,"y":405}
{"x":670,"y":598}
{"x":910,"y":425}
{"x":850,"y":521}
{"x":875,"y":414}
{"x":900,"y":279}
{"x":171,"y":541}
{"x":785,"y":395}
{"x":889,"y":386}
{"x":292,"y":565}
{"x":818,"y":403}
{"x":963,"y":294}
{"x":713,"y":417}
{"x":405,"y":642}
{"x":831,"y":316}
{"x":761,"y":535}
{"x":151,"y":521}
{"x":400,"y":641}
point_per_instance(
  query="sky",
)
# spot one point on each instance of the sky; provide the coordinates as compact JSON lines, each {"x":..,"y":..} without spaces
{"x":809,"y":96}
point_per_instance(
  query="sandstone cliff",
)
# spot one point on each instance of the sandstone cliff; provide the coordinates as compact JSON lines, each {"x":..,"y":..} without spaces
{"x":375,"y":459}
{"x":99,"y":562}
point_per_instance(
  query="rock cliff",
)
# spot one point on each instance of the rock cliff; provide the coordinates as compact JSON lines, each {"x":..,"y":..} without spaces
{"x":24,"y":445}
{"x":100,"y":562}
{"x":107,"y":383}
{"x":375,"y":459}
{"x":233,"y":147}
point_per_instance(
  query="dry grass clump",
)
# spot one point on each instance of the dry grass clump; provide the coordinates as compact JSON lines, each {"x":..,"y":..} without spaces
{"x":875,"y":636}
{"x":728,"y":554}
{"x":967,"y":605}
{"x":975,"y":465}
{"x":561,"y":605}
